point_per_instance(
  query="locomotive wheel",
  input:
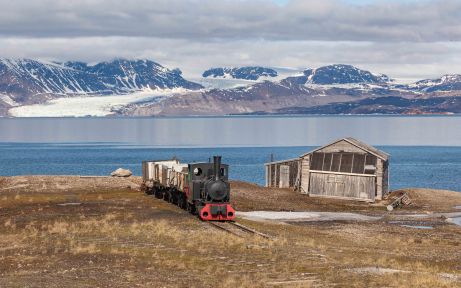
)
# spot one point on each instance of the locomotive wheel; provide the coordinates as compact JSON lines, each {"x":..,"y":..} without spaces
{"x":166,"y":196}
{"x":183,"y":202}
{"x":144,"y":188}
{"x":158,"y":193}
{"x":170,"y":197}
{"x":191,"y":208}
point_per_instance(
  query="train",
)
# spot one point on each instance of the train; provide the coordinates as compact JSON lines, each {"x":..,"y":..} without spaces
{"x":202,"y":188}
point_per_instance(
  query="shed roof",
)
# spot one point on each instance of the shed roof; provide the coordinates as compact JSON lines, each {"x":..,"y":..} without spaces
{"x":282,"y":161}
{"x":368,"y":148}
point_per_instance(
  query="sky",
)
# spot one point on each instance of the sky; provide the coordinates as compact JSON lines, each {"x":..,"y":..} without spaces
{"x":406,"y":39}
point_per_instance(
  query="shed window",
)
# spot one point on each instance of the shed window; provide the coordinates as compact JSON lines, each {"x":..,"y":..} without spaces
{"x":327,"y":162}
{"x":317,"y":161}
{"x":370,"y":164}
{"x":344,"y":162}
{"x":359,"y":163}
{"x":336,"y":162}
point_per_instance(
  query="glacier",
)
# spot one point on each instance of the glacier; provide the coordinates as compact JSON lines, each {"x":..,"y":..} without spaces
{"x":92,"y":106}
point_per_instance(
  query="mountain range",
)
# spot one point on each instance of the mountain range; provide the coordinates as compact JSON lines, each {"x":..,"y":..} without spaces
{"x":27,"y":85}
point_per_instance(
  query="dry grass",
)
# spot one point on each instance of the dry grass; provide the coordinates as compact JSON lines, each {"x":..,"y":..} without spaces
{"x":123,"y":238}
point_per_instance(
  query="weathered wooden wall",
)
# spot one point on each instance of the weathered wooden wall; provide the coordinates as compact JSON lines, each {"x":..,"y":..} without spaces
{"x":386,"y":179}
{"x":273,"y":173}
{"x":379,"y":179}
{"x":305,"y":166}
{"x":342,"y":186}
{"x":341,"y":146}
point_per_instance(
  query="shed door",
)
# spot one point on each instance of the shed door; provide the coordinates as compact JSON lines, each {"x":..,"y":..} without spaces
{"x":344,"y":186}
{"x":284,"y":176}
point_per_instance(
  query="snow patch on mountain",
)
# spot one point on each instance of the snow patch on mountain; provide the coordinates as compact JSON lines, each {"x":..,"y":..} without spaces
{"x":96,"y":106}
{"x":227,"y":81}
{"x":8,"y":100}
{"x":445,"y":83}
{"x":343,"y":74}
{"x":245,"y":73}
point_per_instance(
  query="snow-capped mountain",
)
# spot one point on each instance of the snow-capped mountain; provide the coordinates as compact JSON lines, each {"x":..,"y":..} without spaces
{"x":122,"y":74}
{"x":446,"y":83}
{"x":244,"y":73}
{"x":26,"y":81}
{"x":345,"y":84}
{"x":146,"y":88}
{"x":338,"y":74}
{"x":230,"y":78}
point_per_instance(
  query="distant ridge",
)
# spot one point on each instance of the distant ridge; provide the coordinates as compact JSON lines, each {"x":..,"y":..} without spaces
{"x":331,"y":89}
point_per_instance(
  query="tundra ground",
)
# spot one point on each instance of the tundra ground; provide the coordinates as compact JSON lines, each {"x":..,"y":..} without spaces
{"x":67,"y":231}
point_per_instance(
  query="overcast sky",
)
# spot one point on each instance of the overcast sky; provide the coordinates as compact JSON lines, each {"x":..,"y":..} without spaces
{"x":407,"y":39}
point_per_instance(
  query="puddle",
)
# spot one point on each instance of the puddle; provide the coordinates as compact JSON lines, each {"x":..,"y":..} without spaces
{"x":69,"y":204}
{"x":418,"y":227}
{"x":457,"y":221}
{"x":377,"y":270}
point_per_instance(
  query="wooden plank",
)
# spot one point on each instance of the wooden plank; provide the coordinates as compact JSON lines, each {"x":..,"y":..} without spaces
{"x":267,"y":175}
{"x":305,"y":174}
{"x":342,"y":173}
{"x":284,"y":176}
{"x":343,"y":198}
{"x":379,"y":179}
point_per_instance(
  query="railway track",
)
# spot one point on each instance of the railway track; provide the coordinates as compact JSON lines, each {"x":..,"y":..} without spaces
{"x":238,"y":229}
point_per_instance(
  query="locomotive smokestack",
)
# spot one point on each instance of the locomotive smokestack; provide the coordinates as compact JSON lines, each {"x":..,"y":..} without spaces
{"x":217,"y":167}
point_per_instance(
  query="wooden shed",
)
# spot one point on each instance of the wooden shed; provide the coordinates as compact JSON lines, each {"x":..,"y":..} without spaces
{"x":346,"y":169}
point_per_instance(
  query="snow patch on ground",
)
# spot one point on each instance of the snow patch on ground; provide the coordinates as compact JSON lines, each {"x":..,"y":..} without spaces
{"x":304,"y":216}
{"x":97,"y":106}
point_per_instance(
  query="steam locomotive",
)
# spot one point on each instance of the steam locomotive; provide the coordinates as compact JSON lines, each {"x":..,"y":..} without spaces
{"x":201,"y":188}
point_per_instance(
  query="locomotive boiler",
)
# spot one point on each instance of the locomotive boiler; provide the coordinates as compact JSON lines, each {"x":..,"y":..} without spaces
{"x":201,"y":188}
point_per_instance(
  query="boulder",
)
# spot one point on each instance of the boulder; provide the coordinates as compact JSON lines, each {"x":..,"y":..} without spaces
{"x":120,"y":172}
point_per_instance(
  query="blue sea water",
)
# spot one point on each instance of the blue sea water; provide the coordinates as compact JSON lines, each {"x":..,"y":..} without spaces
{"x":411,"y":166}
{"x":425,"y":150}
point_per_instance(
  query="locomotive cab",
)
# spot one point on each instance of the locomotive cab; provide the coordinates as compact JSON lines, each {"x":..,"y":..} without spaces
{"x":209,"y":190}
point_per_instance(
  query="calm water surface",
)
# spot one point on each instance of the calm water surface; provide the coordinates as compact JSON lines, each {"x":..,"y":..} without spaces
{"x":236,"y":131}
{"x":425,"y":151}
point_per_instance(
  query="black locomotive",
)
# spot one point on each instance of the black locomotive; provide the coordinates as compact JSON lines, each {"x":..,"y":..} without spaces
{"x":201,"y":188}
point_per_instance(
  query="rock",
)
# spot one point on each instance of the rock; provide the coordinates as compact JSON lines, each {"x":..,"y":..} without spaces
{"x":120,"y":172}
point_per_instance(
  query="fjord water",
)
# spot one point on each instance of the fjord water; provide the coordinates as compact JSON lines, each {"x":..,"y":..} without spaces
{"x":425,"y":151}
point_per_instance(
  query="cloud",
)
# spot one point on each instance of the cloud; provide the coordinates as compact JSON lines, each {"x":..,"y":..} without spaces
{"x":403,"y":60}
{"x":326,"y":20}
{"x":405,"y":39}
